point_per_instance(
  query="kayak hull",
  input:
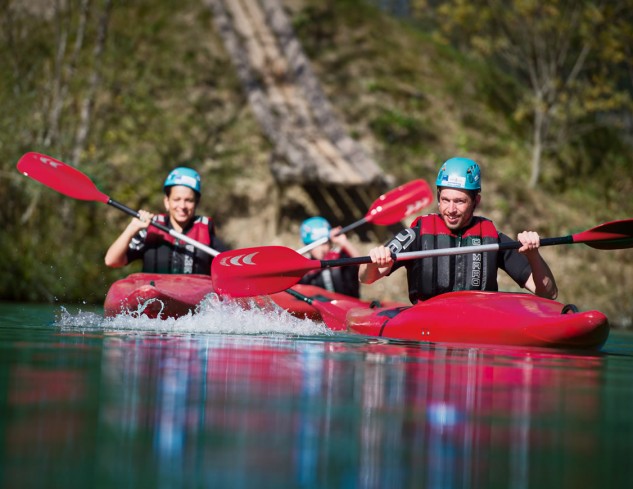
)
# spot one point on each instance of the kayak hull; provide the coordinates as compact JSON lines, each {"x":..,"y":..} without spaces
{"x":495,"y":318}
{"x":468,"y":317}
{"x":157,"y":295}
{"x":164,"y":295}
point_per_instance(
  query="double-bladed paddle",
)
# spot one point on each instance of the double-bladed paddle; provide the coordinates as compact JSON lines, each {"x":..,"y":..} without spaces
{"x":388,"y":209}
{"x":268,"y":269}
{"x":71,"y":182}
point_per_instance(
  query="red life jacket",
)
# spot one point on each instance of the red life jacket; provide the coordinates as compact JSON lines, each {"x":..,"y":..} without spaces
{"x":162,"y":253}
{"x":431,"y":276}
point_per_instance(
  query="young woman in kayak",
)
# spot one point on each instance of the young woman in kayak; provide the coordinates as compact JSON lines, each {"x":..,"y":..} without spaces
{"x":458,"y":194}
{"x":160,"y":252}
{"x":343,"y":280}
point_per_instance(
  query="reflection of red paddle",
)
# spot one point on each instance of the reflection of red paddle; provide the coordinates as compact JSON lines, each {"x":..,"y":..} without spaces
{"x":72,"y":183}
{"x":267,"y":269}
{"x":389,"y":208}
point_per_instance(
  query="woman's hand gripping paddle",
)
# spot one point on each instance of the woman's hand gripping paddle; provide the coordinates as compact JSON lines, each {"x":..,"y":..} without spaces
{"x":72,"y":183}
{"x":268,"y":269}
{"x":389,"y":208}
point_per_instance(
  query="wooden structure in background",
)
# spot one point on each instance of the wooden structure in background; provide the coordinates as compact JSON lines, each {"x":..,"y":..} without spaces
{"x":311,"y":146}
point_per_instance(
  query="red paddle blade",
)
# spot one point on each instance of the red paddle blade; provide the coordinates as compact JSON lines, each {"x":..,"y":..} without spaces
{"x":60,"y":177}
{"x":399,"y":203}
{"x":261,"y":270}
{"x":614,"y":235}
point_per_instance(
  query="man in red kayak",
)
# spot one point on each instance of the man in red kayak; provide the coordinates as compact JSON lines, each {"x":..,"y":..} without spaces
{"x":458,"y":194}
{"x":160,"y":252}
{"x":343,"y":280}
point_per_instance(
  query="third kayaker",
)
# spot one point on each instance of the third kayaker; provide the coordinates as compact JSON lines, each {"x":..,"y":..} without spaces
{"x":343,"y":280}
{"x":458,"y":194}
{"x":160,"y":252}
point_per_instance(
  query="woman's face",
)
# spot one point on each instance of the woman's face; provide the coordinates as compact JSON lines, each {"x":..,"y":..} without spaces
{"x":180,"y":204}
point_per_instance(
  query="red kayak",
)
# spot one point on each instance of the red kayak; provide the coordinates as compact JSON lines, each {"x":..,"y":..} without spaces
{"x":494,"y":318}
{"x":163,"y":295}
{"x":468,"y":317}
{"x":157,"y":295}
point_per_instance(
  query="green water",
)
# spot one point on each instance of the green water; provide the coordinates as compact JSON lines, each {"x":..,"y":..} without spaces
{"x":239,"y":400}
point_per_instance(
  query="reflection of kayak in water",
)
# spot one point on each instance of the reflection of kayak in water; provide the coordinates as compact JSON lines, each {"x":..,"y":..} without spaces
{"x":495,"y":318}
{"x":165,"y":295}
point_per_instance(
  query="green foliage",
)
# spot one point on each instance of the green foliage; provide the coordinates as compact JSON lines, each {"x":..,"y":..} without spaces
{"x":446,"y":81}
{"x":569,"y":61}
{"x":394,"y":127}
{"x":163,"y":98}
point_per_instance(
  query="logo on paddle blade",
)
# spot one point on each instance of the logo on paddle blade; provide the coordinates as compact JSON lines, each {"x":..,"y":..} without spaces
{"x":49,"y":162}
{"x":416,"y":206}
{"x":238,"y":260}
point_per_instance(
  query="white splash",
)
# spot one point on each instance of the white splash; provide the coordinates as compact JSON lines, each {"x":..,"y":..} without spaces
{"x":213,"y":315}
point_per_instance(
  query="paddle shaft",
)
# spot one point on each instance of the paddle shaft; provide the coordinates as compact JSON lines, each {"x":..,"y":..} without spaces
{"x":331,"y":314}
{"x":325,"y":239}
{"x":69,"y":181}
{"x":387,"y":209}
{"x":301,"y":297}
{"x":413,"y":255}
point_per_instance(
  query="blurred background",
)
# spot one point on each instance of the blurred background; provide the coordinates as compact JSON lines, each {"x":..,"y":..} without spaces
{"x":291,"y":108}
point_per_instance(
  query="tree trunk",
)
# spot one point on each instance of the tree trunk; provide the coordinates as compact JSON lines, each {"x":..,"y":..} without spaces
{"x":287,"y":99}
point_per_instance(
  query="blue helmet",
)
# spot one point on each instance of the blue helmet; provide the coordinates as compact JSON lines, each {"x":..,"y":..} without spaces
{"x":460,"y":173}
{"x":314,"y":228}
{"x":183,"y":176}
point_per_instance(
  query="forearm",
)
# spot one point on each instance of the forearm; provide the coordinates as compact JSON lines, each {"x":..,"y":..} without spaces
{"x":116,"y":256}
{"x":368,"y":273}
{"x":541,"y":281}
{"x":340,"y":241}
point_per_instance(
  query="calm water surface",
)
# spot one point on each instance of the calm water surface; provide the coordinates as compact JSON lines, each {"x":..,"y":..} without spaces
{"x":246,"y":399}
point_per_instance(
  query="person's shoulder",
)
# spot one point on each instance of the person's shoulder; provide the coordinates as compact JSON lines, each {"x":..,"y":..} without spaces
{"x":203,"y":219}
{"x":419,"y":219}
